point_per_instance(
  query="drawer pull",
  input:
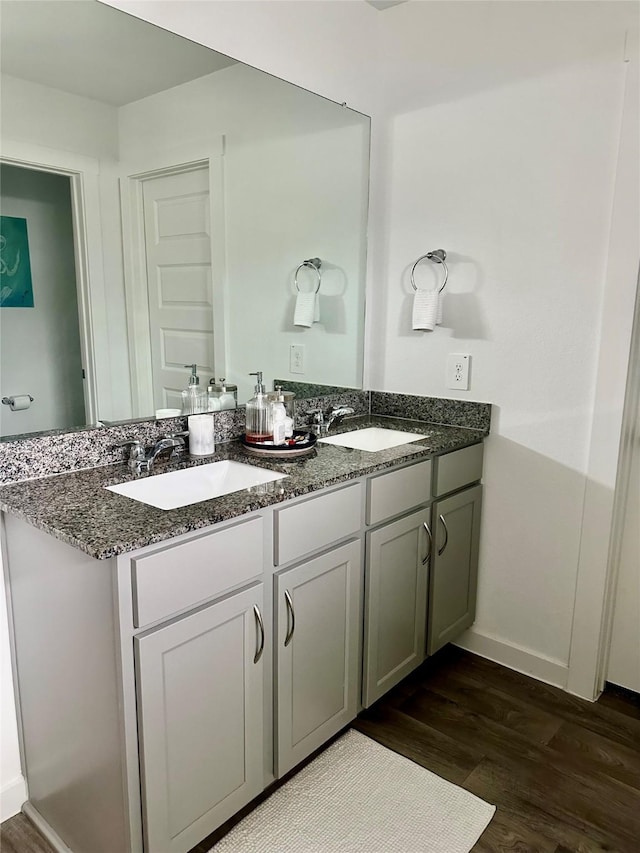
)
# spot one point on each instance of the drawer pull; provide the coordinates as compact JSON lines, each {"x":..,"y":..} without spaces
{"x":291,"y":623}
{"x":260,"y":625}
{"x":425,"y":559}
{"x":446,"y":535}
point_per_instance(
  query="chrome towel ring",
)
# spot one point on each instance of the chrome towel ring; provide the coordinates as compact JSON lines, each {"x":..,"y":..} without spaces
{"x":438,"y":257}
{"x":313,"y":264}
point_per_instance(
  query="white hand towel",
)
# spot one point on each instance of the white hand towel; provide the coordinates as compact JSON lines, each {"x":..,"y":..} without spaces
{"x":305,"y":309}
{"x":425,"y":310}
{"x":316,"y":309}
{"x":439,"y":311}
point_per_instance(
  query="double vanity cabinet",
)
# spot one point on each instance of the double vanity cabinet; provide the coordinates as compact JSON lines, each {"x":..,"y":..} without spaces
{"x":162,"y":689}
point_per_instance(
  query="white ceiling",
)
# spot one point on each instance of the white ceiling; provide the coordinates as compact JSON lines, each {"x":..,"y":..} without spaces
{"x":83,"y":47}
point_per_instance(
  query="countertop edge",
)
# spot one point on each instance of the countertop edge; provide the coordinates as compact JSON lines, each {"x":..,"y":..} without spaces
{"x":21,"y":499}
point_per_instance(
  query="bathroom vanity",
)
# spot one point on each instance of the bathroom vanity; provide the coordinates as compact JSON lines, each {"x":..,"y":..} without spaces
{"x":171,"y":665}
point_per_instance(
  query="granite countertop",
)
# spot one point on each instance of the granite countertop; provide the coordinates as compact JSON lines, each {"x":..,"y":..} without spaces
{"x":77,"y":508}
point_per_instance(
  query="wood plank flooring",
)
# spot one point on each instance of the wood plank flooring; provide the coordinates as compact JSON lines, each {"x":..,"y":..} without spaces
{"x":563,"y":773}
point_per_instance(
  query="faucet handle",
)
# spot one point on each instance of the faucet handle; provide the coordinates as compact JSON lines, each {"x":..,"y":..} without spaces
{"x":136,"y":448}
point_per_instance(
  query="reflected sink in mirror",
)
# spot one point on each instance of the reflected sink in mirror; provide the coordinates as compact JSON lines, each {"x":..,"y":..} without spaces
{"x":193,"y":485}
{"x":373,"y":439}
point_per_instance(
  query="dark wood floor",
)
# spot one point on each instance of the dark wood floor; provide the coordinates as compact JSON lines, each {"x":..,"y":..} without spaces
{"x":563,"y":773}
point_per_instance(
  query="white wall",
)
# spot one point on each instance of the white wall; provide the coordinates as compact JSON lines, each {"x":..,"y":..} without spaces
{"x":40,"y":345}
{"x":48,"y":117}
{"x":500,"y":180}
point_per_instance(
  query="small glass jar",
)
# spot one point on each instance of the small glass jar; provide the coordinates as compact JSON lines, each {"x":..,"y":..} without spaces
{"x":287,"y":399}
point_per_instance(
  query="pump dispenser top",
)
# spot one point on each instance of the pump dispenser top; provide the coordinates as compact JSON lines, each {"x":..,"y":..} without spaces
{"x":194,"y":398}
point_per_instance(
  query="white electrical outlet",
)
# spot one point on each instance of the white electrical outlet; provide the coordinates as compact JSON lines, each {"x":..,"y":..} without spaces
{"x":458,"y":365}
{"x":296,"y":358}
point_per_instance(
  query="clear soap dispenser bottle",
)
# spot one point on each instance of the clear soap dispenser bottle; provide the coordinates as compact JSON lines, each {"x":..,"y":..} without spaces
{"x":194,"y":398}
{"x":258,"y":414}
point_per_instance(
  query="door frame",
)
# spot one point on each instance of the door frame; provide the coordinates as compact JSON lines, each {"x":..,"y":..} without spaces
{"x":135,"y":264}
{"x":599,"y":548}
{"x":83,"y":173}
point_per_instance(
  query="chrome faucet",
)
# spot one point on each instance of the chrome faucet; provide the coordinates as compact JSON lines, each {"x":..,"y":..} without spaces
{"x":141,"y":460}
{"x":321,"y":421}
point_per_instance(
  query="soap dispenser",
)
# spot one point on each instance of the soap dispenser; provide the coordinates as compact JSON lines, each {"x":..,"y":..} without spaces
{"x":194,"y":398}
{"x":258,"y":414}
{"x":279,"y":417}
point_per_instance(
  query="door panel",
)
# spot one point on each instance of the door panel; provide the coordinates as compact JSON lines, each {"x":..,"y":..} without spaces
{"x":454,"y":572}
{"x":318,"y":670}
{"x":179,"y":280}
{"x":200,"y":718}
{"x":396,"y":603}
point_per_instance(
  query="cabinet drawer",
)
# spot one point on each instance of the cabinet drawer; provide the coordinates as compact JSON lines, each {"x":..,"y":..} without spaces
{"x":457,"y":469}
{"x":394,"y":493}
{"x":316,"y":523}
{"x":179,"y":576}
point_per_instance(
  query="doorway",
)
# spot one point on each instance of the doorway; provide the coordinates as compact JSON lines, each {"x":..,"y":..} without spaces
{"x":40,"y":339}
{"x":177,"y":238}
{"x":623,"y":666}
{"x":173,"y":237}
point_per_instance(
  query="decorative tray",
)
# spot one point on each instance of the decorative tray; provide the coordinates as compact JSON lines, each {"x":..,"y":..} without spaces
{"x":301,"y":443}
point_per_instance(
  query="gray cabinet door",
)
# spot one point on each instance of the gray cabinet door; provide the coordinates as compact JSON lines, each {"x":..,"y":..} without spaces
{"x":395,"y":602}
{"x":454,"y":570}
{"x":200,"y":707}
{"x":318,"y":644}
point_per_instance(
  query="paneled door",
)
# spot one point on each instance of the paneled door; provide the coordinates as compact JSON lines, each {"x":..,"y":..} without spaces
{"x":397,"y":569}
{"x":177,"y":235}
{"x":200,"y":708}
{"x":318,"y":661}
{"x":454,"y":566}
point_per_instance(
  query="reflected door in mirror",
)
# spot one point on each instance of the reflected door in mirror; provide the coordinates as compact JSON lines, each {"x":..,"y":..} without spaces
{"x":179,"y":283}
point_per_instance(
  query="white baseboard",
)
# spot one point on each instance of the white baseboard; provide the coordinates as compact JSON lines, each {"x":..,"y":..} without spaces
{"x":12,"y":796}
{"x":50,"y":834}
{"x":545,"y":669}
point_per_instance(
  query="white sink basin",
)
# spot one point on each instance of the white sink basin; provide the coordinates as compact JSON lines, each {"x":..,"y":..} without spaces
{"x":192,"y":485}
{"x":372,"y":438}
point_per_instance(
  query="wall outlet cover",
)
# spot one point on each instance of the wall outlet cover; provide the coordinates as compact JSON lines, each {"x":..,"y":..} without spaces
{"x":296,"y":358}
{"x":458,"y":365}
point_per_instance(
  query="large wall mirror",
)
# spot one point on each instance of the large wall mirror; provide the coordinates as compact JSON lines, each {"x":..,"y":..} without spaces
{"x":158,"y":200}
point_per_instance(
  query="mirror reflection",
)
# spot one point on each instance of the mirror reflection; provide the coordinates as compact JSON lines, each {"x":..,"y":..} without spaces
{"x":159,"y":202}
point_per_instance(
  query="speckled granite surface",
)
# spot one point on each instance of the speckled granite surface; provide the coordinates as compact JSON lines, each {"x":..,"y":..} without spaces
{"x":77,"y":509}
{"x":312,"y":389}
{"x":27,"y":457}
{"x":437,"y":410}
{"x":357,"y":400}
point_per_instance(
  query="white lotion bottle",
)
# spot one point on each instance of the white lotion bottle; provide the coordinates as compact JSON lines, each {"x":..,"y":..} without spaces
{"x":279,"y":418}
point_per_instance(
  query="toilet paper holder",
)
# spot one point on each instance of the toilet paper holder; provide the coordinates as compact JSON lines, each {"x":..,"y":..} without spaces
{"x":11,"y":401}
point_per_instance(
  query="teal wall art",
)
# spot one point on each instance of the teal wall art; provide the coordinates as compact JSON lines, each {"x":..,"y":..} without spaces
{"x":16,"y":289}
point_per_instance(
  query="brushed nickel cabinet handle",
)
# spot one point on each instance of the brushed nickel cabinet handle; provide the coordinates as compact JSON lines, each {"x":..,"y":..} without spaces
{"x":291,"y":623}
{"x":425,"y":559}
{"x":446,"y":535}
{"x":260,"y":624}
